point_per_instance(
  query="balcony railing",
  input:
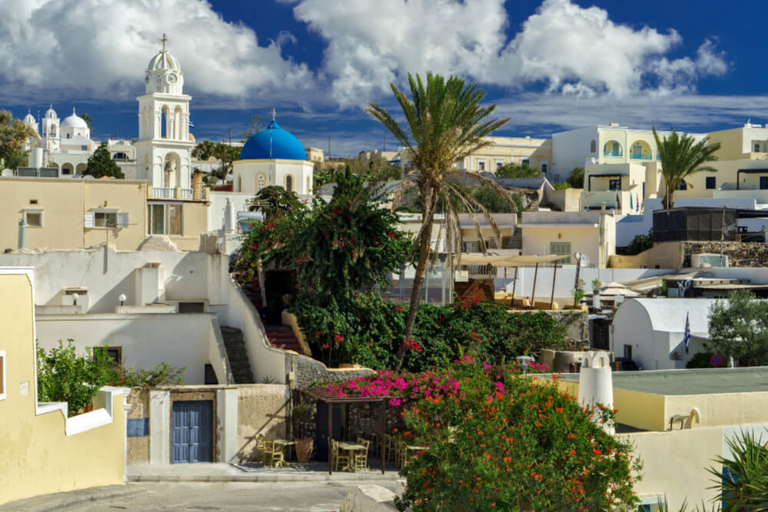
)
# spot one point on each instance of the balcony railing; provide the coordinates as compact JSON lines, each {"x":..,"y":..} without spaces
{"x":640,"y":156}
{"x":612,"y":153}
{"x":186,"y":194}
{"x":163,"y":193}
{"x":31,"y":172}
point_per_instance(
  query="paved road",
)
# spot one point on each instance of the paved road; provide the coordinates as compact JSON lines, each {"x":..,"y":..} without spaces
{"x":236,"y":496}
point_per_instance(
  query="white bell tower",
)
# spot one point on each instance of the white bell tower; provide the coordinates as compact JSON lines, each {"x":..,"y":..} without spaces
{"x":164,"y":148}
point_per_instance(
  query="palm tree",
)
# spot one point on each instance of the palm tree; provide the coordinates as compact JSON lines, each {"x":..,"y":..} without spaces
{"x":204,"y":150}
{"x":681,"y":156}
{"x":88,"y":120}
{"x":444,"y":124}
{"x":743,"y":479}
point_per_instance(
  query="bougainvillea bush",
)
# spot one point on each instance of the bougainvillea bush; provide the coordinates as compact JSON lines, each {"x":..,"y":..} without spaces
{"x":497,"y":441}
{"x":367,"y":330}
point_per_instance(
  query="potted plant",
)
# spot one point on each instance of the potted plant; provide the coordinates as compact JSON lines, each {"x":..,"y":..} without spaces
{"x":303,"y":423}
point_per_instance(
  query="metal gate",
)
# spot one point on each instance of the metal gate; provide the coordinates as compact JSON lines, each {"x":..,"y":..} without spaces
{"x":192,"y":438}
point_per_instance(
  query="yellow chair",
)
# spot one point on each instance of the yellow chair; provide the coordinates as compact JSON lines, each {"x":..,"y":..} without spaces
{"x":339,"y":460}
{"x":361,"y":458}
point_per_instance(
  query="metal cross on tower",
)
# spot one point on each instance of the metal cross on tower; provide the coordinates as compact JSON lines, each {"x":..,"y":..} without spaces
{"x":165,"y":40}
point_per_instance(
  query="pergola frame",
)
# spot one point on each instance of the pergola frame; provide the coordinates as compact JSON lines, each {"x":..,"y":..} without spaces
{"x":330,"y":400}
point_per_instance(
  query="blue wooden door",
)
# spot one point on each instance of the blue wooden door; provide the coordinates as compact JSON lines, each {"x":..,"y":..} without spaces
{"x":192,"y":438}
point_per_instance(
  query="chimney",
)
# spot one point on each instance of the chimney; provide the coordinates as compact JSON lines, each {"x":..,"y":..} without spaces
{"x":197,"y":185}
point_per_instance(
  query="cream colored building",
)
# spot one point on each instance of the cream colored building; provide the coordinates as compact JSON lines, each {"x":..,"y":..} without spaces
{"x":70,"y":214}
{"x":45,"y":451}
{"x":592,"y":234}
{"x":535,"y":153}
{"x":680,"y":421}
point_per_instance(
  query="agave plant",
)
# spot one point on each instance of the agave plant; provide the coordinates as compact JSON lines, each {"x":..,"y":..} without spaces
{"x":743,"y":481}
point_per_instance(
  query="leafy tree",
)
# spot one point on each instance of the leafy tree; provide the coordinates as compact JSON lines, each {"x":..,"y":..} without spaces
{"x":100,"y":164}
{"x":255,"y":125}
{"x":738,"y":328}
{"x":88,"y":120}
{"x":680,"y":157}
{"x":13,"y":135}
{"x":274,"y":201}
{"x":498,"y":441}
{"x":349,"y":244}
{"x":576,"y":177}
{"x":492,"y":201}
{"x":559,"y":185}
{"x":204,"y":150}
{"x":444,"y":123}
{"x":517,"y":171}
{"x":65,"y":376}
{"x":226,"y":154}
{"x":640,"y":244}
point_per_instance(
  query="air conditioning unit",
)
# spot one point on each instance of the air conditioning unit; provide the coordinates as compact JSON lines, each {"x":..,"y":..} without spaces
{"x":708,"y":260}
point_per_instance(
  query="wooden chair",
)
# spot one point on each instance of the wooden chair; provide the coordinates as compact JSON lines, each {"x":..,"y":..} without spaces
{"x":361,"y":458}
{"x":389,"y":447}
{"x":272,"y":454}
{"x":339,"y":460}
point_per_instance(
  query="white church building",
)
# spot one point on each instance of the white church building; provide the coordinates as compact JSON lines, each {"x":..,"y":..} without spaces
{"x":273,"y":156}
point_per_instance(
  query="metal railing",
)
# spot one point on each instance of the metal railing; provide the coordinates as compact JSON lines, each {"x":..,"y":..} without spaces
{"x":163,"y":193}
{"x":186,"y":194}
{"x":612,"y":153}
{"x":640,"y":156}
{"x":31,"y":172}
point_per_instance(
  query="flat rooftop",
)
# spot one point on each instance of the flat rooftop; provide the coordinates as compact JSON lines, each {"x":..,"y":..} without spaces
{"x":689,"y":382}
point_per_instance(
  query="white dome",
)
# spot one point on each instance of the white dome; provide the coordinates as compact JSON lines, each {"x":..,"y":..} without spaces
{"x":163,"y":60}
{"x":74,"y":121}
{"x":51,"y":114}
{"x":29,"y":120}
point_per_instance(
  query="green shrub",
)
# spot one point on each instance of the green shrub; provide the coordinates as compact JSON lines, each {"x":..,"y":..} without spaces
{"x":504,"y":442}
{"x":367,"y":330}
{"x":163,"y":375}
{"x":65,"y":376}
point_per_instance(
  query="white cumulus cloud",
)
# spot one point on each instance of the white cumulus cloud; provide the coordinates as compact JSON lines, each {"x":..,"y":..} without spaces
{"x":101,"y":47}
{"x":570,"y":49}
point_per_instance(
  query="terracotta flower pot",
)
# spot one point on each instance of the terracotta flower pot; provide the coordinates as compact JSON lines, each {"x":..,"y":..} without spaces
{"x":304,"y":450}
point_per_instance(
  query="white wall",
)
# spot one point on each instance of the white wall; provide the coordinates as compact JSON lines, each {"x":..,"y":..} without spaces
{"x":571,"y":149}
{"x":566,"y":277}
{"x":146,"y":340}
{"x":219,"y":202}
{"x":186,"y":276}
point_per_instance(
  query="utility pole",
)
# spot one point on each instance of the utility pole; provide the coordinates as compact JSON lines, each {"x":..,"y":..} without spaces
{"x":329,"y":147}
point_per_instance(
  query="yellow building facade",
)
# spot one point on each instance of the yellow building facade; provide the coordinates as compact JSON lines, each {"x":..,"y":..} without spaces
{"x":43,"y":451}
{"x":77,"y":213}
{"x":535,"y":153}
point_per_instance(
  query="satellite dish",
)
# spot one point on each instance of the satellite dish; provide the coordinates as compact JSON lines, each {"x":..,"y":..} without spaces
{"x":7,"y":173}
{"x":584,"y":261}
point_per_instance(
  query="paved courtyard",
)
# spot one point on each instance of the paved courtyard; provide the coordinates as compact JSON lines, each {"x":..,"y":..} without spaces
{"x":234,"y":496}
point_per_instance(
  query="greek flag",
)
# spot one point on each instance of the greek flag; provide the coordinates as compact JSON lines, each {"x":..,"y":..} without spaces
{"x":191,"y":124}
{"x":687,"y":335}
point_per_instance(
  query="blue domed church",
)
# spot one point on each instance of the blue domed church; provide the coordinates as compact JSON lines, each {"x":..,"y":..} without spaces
{"x":273,"y":156}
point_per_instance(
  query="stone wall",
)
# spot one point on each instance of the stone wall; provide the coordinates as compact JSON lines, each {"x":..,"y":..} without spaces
{"x":262,"y":409}
{"x":576,"y":323}
{"x":307,"y":371}
{"x":740,"y":254}
{"x":138,"y":446}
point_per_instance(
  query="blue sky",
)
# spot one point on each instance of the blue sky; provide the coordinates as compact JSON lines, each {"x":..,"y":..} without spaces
{"x":549,"y":65}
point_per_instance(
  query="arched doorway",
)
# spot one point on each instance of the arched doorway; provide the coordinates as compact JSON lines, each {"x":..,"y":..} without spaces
{"x":68,"y":169}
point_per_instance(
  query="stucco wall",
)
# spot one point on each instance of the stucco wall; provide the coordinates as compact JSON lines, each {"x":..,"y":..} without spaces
{"x":193,"y":276}
{"x":64,"y":203}
{"x":723,"y":409}
{"x":262,"y":410}
{"x":138,"y":446}
{"x":675,"y":464}
{"x":38,"y":456}
{"x":181,"y":340}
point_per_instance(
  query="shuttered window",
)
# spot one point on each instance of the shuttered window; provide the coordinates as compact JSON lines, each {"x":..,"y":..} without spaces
{"x":107,"y":219}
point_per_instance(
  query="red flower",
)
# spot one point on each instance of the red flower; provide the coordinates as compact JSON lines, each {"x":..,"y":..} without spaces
{"x":338,"y":338}
{"x":326,"y":346}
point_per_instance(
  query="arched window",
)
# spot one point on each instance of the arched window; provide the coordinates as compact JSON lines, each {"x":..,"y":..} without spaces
{"x":682,"y":186}
{"x":164,"y":123}
{"x":593,"y":147}
{"x":260,"y":182}
{"x":289,"y":183}
{"x":309,"y":184}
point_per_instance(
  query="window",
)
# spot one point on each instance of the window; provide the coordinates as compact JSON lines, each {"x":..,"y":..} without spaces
{"x":481,"y":165}
{"x":525,"y":162}
{"x":682,"y":186}
{"x":499,"y":163}
{"x":164,"y":219}
{"x":711,"y":182}
{"x":105,"y":219}
{"x":289,"y":183}
{"x":83,"y":148}
{"x":593,"y":147}
{"x":471,"y":246}
{"x":33,"y":218}
{"x":763,"y":182}
{"x":260,"y":182}
{"x":561,"y":248}
{"x":757,"y":147}
{"x":614,"y":184}
{"x":2,"y":375}
{"x":309,"y":185}
{"x":544,"y":166}
{"x":628,"y":352}
{"x":191,"y":307}
{"x":113,"y":353}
